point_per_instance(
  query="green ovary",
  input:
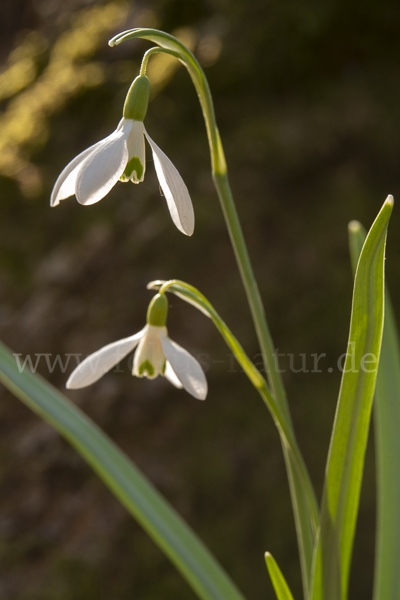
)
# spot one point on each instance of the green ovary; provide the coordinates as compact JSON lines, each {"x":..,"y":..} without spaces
{"x":133,"y":170}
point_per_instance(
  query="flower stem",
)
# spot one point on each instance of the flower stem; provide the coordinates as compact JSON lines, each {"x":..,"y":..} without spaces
{"x":149,"y":53}
{"x":253,"y":295}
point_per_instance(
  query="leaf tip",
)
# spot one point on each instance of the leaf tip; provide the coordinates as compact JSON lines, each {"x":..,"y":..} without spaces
{"x":268,"y":559}
{"x":390,"y":200}
{"x":354,"y":226}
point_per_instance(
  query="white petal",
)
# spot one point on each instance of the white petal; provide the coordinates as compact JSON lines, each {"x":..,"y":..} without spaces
{"x":137,"y":150}
{"x":174,"y":190}
{"x":65,"y":184}
{"x":98,"y":363}
{"x":170,"y":374}
{"x":186,"y":367}
{"x":101,"y":170}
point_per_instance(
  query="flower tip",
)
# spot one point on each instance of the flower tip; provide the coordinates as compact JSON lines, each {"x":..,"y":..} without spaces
{"x":70,"y":384}
{"x":203,"y":390}
{"x":76,"y":381}
{"x":188,"y":229}
{"x":200,"y":388}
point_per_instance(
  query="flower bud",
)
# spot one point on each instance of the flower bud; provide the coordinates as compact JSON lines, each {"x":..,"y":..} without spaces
{"x":137,"y":99}
{"x":158,"y":311}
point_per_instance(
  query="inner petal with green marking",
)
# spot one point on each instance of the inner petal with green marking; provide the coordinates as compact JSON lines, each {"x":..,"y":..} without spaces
{"x":134,"y":170}
{"x":136,"y":165}
{"x":146,"y":369}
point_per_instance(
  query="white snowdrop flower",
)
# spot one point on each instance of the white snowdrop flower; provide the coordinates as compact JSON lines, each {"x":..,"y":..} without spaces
{"x":156,"y":355}
{"x":122,"y":157}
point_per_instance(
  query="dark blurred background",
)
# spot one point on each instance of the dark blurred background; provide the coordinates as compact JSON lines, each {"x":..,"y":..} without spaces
{"x":307,"y":96}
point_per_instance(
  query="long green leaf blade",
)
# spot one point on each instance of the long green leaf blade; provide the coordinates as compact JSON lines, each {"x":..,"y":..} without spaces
{"x":132,"y":489}
{"x":387,"y":446}
{"x":281,"y":588}
{"x":350,"y":430}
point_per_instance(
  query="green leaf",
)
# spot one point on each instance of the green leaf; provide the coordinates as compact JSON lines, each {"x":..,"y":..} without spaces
{"x":350,"y":431}
{"x":387,"y":446}
{"x":281,"y":588}
{"x":132,"y":489}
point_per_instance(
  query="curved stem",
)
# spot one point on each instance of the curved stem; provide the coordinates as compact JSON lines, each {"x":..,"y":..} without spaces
{"x":149,"y":53}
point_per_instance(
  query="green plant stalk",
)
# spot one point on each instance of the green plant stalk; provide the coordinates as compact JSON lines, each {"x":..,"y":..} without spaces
{"x":300,"y":489}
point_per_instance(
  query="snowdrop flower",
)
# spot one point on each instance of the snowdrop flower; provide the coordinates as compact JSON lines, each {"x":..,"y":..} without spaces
{"x":156,"y":354}
{"x":121,"y":156}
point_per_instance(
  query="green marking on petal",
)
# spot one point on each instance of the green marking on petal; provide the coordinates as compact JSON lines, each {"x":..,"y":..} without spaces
{"x":146,"y":368}
{"x":133,"y":170}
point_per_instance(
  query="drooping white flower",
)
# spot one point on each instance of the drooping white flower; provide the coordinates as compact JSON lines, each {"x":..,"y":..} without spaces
{"x":121,"y":156}
{"x":156,"y":354}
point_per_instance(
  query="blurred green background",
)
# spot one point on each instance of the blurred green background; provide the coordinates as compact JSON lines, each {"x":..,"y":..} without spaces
{"x":307,"y":96}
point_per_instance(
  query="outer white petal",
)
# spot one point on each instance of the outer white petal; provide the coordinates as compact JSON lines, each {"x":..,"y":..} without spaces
{"x":186,"y":367}
{"x":174,"y":190}
{"x":101,"y":170}
{"x":65,"y":184}
{"x":98,"y":363}
{"x":170,"y":374}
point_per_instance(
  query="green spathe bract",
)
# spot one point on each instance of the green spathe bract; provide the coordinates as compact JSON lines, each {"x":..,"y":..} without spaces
{"x":137,"y":99}
{"x":158,"y":311}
